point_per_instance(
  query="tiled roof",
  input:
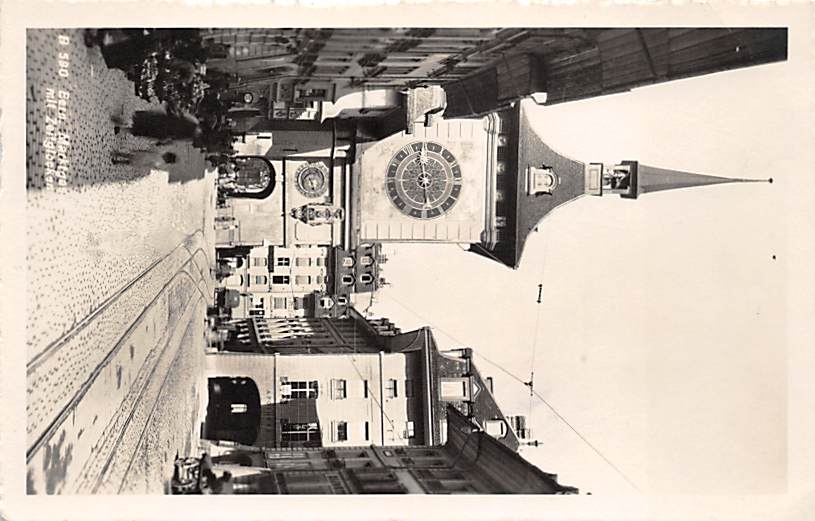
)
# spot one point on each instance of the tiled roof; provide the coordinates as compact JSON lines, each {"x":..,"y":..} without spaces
{"x":481,"y":407}
{"x":504,"y":465}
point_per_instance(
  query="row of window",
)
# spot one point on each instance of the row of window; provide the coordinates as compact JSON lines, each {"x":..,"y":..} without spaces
{"x":305,"y":432}
{"x":365,"y":278}
{"x":305,"y":280}
{"x":286,"y":261}
{"x":301,"y":280}
{"x":339,"y":389}
{"x":365,"y":260}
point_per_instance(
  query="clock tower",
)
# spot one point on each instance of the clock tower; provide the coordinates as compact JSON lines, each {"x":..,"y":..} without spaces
{"x":428,"y":186}
{"x":485,"y":182}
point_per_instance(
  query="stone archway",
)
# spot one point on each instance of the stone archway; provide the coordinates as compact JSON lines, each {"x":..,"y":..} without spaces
{"x":233,"y":410}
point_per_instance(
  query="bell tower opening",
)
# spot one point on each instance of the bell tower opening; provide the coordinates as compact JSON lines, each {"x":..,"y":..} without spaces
{"x":619,"y":179}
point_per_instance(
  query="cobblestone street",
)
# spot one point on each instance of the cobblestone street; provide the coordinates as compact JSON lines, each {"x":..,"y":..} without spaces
{"x":118,"y":261}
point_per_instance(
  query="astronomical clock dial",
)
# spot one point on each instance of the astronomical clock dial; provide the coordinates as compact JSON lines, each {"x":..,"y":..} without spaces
{"x":423,"y":180}
{"x":312,"y":179}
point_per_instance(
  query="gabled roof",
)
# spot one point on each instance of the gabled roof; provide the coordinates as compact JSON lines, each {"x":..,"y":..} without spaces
{"x":431,"y":366}
{"x":481,"y":405}
{"x":570,"y":64}
{"x":498,"y":462}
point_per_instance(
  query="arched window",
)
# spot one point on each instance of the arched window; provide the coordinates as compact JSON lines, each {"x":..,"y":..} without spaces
{"x":366,"y":278}
{"x":253,"y":177}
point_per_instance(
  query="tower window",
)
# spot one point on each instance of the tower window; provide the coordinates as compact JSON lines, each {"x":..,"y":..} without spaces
{"x":391,"y":390}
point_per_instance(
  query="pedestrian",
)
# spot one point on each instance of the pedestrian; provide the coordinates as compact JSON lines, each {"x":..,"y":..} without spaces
{"x":160,"y":125}
{"x":144,"y":158}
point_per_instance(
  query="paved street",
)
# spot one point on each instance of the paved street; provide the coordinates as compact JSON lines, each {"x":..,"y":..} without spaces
{"x":118,"y":261}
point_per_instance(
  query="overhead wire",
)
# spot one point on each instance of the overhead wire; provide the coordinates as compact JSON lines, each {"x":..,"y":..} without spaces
{"x":537,"y":395}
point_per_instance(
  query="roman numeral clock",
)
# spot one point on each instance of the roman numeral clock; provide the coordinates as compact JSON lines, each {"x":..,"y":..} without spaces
{"x":423,"y":180}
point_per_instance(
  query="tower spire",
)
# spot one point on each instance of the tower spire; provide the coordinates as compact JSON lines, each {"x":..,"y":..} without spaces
{"x":653,"y":179}
{"x":629,"y":179}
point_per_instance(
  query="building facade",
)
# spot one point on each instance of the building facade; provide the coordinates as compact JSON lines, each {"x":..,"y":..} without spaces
{"x":343,"y":381}
{"x":303,"y":281}
{"x":480,"y":176}
{"x":315,"y":74}
{"x":469,"y":462}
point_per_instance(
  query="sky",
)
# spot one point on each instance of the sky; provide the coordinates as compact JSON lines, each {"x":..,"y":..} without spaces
{"x":662,"y":334}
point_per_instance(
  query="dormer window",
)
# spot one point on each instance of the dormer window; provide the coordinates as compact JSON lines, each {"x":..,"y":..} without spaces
{"x":496,"y":428}
{"x":541,"y":180}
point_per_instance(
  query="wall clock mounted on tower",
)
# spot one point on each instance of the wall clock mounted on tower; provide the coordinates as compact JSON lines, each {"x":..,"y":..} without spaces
{"x":423,"y":180}
{"x":312,"y":179}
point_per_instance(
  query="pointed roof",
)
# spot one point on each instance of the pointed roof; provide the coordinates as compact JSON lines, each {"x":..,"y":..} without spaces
{"x":526,"y":211}
{"x":653,"y":179}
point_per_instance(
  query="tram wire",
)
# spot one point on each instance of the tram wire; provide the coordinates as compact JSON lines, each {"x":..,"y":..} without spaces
{"x":536,"y":394}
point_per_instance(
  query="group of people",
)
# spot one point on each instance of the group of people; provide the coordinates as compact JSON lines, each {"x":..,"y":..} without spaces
{"x":165,"y":65}
{"x":165,"y":128}
{"x":195,"y":475}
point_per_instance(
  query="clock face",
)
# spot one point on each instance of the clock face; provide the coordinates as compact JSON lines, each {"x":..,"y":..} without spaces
{"x":312,"y":179}
{"x":423,"y":180}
